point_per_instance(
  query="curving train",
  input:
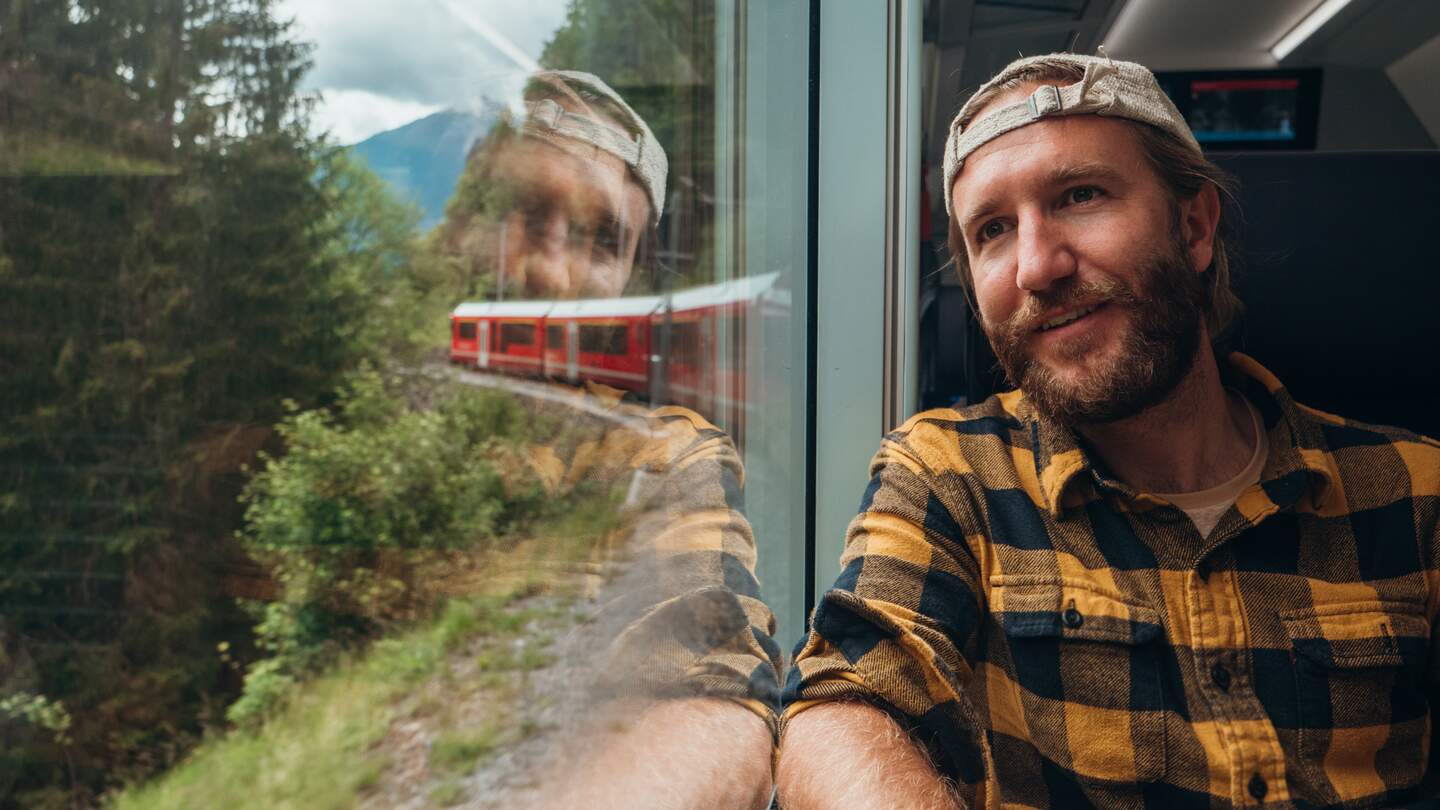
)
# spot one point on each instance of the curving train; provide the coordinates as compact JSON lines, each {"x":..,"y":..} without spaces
{"x":686,"y":347}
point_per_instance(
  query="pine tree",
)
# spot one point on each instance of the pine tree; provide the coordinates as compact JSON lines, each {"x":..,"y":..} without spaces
{"x":171,"y":271}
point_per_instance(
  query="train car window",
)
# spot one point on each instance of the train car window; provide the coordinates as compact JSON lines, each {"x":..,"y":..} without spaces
{"x":604,"y":339}
{"x":516,"y":334}
{"x":686,"y":344}
{"x":734,"y":335}
{"x":296,"y":457}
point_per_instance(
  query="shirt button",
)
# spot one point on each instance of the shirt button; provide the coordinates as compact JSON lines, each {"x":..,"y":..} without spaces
{"x":1202,"y":570}
{"x":1257,"y":788}
{"x":1221,"y":676}
{"x":1072,"y":618}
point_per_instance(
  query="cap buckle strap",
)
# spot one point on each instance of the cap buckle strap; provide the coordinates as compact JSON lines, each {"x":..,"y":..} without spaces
{"x":547,"y":112}
{"x":1044,"y":101}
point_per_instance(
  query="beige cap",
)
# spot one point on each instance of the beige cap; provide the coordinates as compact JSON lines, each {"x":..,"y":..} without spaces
{"x":1109,"y":87}
{"x":545,"y":118}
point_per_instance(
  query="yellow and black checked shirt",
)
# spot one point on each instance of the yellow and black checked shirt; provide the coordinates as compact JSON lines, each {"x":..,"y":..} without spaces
{"x":1058,"y":639}
{"x":684,"y":607}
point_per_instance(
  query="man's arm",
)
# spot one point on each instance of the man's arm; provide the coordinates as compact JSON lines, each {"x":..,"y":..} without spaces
{"x":853,"y":755}
{"x":683,"y":754}
{"x":899,"y":629}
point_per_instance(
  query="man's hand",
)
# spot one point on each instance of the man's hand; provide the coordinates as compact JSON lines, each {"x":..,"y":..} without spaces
{"x":853,"y":755}
{"x":682,"y":754}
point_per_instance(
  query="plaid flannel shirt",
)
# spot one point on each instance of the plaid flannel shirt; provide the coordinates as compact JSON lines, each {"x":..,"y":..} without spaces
{"x":1058,"y":639}
{"x":684,"y":611}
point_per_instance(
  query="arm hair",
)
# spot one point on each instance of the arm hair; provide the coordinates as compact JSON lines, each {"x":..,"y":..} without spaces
{"x":855,"y":756}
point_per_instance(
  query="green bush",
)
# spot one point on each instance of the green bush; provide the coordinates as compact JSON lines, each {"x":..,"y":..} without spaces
{"x":366,"y":494}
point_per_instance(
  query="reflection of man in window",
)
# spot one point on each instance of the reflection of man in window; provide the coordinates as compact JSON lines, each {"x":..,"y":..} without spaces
{"x":578,"y":189}
{"x":1148,"y":578}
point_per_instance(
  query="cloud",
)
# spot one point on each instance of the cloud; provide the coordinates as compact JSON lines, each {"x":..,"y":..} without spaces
{"x":351,"y":116}
{"x":375,"y":58}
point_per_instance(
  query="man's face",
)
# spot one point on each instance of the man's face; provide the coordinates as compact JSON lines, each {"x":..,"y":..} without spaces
{"x":575,"y":221}
{"x":1087,"y":286}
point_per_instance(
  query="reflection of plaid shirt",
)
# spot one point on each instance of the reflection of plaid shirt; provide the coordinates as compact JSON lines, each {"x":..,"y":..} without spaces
{"x":1058,"y":639}
{"x":685,"y":607}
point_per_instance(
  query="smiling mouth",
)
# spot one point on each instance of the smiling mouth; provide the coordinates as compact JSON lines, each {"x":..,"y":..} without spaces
{"x":1069,"y":317}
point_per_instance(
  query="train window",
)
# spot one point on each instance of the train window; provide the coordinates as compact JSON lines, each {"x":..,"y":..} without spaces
{"x":516,"y":334}
{"x":685,"y":344}
{"x":291,"y":506}
{"x":604,"y":339}
{"x":734,"y":336}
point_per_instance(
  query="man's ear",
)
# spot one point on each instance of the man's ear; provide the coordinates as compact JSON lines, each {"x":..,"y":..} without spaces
{"x":1199,"y":216}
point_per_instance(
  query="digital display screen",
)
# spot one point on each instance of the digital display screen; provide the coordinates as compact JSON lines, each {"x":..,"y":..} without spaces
{"x":1250,"y":109}
{"x":1244,"y":109}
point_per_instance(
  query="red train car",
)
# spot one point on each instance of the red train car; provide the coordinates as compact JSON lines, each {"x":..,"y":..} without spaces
{"x":686,"y":348}
{"x":606,"y":340}
{"x":504,"y":336}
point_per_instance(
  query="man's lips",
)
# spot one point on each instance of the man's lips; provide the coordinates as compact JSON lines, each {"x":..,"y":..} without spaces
{"x":1056,"y":319}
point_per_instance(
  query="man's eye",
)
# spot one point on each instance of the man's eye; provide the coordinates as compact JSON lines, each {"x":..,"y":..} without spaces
{"x":1082,"y":194}
{"x":990,"y":230}
{"x":607,"y":243}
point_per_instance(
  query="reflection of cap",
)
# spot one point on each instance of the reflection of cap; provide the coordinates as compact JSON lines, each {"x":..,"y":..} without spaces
{"x":1109,"y":87}
{"x":546,"y":118}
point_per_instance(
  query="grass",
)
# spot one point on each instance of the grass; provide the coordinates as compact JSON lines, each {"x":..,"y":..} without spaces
{"x":321,"y":748}
{"x":317,"y":753}
{"x":459,"y":751}
{"x":447,"y":793}
{"x":325,"y":744}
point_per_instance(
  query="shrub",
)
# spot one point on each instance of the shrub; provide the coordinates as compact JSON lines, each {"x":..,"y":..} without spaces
{"x":368,"y":497}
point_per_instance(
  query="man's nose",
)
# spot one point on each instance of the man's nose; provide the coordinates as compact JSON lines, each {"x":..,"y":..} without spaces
{"x":554,"y":233}
{"x":1044,"y":255}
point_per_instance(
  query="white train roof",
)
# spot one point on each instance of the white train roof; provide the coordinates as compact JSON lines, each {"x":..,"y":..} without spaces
{"x":606,"y":307}
{"x":503,"y":309}
{"x":709,"y":295}
{"x":725,"y":292}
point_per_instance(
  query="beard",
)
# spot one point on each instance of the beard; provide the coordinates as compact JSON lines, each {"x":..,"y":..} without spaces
{"x":1158,"y":349}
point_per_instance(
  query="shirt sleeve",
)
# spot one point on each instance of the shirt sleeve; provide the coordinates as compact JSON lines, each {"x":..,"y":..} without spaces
{"x":699,"y":626}
{"x":899,"y":628}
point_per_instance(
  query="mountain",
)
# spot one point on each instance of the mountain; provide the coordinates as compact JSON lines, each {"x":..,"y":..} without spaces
{"x":423,"y":159}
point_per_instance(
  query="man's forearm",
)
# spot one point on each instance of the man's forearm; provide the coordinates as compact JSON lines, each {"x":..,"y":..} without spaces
{"x":855,"y":756}
{"x":685,"y":754}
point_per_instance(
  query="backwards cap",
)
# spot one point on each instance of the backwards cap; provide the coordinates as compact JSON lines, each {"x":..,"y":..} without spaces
{"x":547,"y":119}
{"x":1109,"y":87}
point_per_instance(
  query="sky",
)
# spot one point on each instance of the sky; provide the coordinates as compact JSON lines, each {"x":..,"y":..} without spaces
{"x":380,"y":63}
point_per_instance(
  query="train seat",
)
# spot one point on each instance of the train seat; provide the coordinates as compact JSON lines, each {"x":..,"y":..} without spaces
{"x":1340,"y":279}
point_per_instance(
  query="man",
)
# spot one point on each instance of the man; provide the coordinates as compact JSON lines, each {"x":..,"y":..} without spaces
{"x":564,"y":203}
{"x":1147,"y":578}
{"x":682,"y":674}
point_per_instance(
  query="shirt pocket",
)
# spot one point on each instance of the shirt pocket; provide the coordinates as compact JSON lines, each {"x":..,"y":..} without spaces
{"x":1361,"y":708}
{"x":1087,"y":677}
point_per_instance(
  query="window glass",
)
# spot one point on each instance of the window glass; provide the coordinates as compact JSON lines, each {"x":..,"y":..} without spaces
{"x":604,"y":339}
{"x":686,"y":341}
{"x":516,"y":334}
{"x":245,"y":503}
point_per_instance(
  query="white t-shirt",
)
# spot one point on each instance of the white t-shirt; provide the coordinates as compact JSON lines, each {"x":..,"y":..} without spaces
{"x":1207,"y":506}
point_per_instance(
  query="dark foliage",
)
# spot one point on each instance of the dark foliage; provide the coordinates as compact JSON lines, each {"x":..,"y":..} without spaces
{"x":176,"y":259}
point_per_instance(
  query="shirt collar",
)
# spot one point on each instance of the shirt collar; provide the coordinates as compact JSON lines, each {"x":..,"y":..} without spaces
{"x":1299,"y":459}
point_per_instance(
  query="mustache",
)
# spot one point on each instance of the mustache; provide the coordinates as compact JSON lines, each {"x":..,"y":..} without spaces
{"x":1074,"y":295}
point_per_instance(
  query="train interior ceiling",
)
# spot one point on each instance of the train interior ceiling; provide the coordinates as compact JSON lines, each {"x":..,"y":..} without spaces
{"x":1336,"y":292}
